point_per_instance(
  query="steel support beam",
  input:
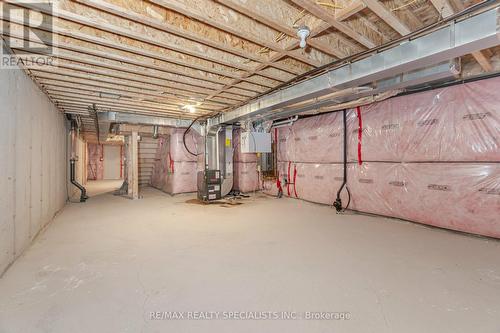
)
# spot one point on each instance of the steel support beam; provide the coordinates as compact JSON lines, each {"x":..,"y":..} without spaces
{"x":452,"y":40}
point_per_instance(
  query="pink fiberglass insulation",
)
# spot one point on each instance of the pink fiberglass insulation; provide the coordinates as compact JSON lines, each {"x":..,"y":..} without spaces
{"x":183,"y":179}
{"x":459,"y":196}
{"x":95,"y":162}
{"x":175,"y":168}
{"x":459,"y":123}
{"x":177,"y":149}
{"x":238,"y":155}
{"x":161,"y":164}
{"x":325,"y":179}
{"x":430,"y":157}
{"x":246,"y":178}
{"x":314,"y":139}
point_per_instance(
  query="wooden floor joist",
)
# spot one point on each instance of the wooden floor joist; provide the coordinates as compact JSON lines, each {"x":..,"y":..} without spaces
{"x":445,"y":9}
{"x":161,"y":55}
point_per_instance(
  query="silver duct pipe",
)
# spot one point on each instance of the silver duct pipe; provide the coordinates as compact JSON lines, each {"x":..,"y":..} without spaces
{"x":453,"y":39}
{"x":106,"y":119}
{"x":445,"y":70}
{"x":219,"y":155}
{"x":284,"y":123}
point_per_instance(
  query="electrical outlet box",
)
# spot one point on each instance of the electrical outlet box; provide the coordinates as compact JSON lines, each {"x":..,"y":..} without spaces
{"x":255,"y":142}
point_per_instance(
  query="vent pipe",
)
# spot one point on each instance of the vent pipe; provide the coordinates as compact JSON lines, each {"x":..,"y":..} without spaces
{"x":72,"y":161}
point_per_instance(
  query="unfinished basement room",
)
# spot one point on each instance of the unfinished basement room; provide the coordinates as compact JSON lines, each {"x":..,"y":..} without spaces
{"x":250,"y":166}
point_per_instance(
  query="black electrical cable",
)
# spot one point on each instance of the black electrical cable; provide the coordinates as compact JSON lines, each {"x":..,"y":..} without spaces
{"x":338,"y":202}
{"x":349,"y":198}
{"x":184,"y":136}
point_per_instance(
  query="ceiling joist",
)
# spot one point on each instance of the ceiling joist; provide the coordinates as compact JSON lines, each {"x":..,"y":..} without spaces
{"x":159,"y":56}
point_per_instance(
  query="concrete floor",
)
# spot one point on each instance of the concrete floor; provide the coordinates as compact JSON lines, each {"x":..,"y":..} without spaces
{"x":103,"y":266}
{"x":98,"y":187}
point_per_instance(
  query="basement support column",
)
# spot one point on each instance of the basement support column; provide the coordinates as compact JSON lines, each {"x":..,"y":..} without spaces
{"x":133,"y":166}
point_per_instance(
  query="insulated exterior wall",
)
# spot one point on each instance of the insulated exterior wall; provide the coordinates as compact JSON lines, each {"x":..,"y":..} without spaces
{"x":33,"y":163}
{"x":246,"y":178}
{"x":431,"y":157}
{"x":95,"y":161}
{"x":175,"y":169}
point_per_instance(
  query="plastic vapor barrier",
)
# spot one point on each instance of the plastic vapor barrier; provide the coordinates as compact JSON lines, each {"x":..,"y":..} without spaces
{"x":246,"y":178}
{"x":431,"y":157}
{"x":95,"y":162}
{"x":175,"y":168}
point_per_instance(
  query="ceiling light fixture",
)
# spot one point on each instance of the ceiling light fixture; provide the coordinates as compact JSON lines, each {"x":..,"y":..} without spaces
{"x":303,"y":32}
{"x":190,"y":108}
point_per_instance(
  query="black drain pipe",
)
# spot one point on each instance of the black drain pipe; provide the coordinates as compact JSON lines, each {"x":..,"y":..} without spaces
{"x":72,"y":160}
{"x":338,"y":202}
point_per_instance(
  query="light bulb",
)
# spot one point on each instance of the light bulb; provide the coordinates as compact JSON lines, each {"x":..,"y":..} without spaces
{"x":303,"y":33}
{"x":191,"y":108}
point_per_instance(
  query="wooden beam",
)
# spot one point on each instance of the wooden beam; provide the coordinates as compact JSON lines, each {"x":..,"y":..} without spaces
{"x":280,"y":20}
{"x":353,"y":8}
{"x":173,"y":43}
{"x":56,"y":92}
{"x":87,"y":85}
{"x":483,"y":61}
{"x":114,"y":63}
{"x":316,"y":31}
{"x":84,"y":104}
{"x":110,"y":105}
{"x":319,"y":12}
{"x":133,"y":165}
{"x":206,"y":39}
{"x":388,"y":17}
{"x":230,"y":22}
{"x":445,"y":9}
{"x":81,"y":109}
{"x":179,"y":67}
{"x":111,"y":76}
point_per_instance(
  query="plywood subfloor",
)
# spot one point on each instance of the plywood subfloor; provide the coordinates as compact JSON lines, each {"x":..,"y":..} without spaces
{"x":105,"y":265}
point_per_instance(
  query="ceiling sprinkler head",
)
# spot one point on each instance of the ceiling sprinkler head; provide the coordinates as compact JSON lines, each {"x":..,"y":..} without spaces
{"x":303,"y":32}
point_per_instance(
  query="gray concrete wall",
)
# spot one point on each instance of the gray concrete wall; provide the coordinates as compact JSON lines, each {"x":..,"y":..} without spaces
{"x":33,"y":163}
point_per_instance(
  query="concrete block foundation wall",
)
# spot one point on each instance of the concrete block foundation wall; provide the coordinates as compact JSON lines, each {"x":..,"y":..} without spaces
{"x":431,"y":157}
{"x":33,"y":163}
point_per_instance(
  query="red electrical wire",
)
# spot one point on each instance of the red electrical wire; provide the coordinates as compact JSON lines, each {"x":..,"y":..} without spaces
{"x":294,"y":180}
{"x":288,"y":179}
{"x":171,"y":162}
{"x":278,"y":183}
{"x":360,"y":134}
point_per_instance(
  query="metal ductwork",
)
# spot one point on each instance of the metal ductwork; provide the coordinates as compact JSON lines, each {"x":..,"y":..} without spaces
{"x":445,"y":70}
{"x":106,"y":119}
{"x":454,"y":39}
{"x":219,"y":156}
{"x":72,"y":162}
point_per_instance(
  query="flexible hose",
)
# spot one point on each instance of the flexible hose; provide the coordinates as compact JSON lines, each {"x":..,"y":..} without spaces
{"x":338,"y":201}
{"x":184,"y":136}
